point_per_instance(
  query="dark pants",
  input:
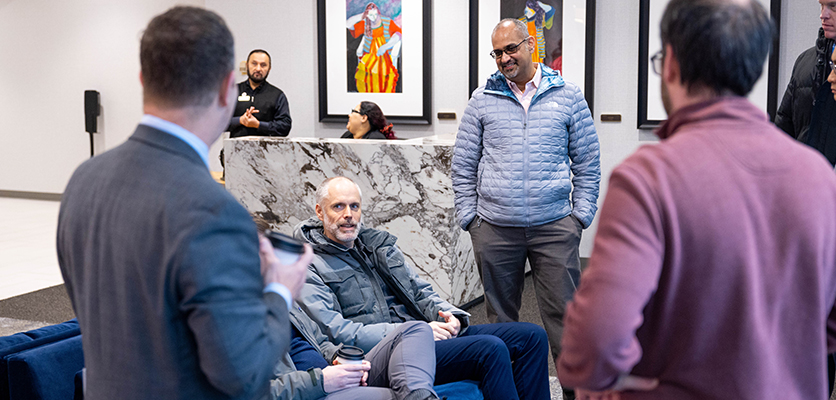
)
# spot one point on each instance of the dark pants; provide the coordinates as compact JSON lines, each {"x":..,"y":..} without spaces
{"x":551,"y":250}
{"x":509,"y":360}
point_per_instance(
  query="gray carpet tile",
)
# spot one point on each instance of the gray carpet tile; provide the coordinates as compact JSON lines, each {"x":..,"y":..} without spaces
{"x":50,"y":305}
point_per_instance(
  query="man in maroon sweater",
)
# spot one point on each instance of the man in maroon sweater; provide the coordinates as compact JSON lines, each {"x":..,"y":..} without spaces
{"x":714,"y":266}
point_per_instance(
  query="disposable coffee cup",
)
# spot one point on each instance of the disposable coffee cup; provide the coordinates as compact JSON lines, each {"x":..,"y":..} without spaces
{"x":349,"y":355}
{"x":287,"y":249}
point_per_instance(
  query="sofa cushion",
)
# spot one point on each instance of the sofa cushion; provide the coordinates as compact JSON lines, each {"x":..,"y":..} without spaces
{"x":26,"y":340}
{"x":46,"y":372}
{"x":461,"y":390}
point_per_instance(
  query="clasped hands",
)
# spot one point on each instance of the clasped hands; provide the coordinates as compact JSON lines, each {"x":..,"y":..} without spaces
{"x":448,"y":329}
{"x":248,"y":120}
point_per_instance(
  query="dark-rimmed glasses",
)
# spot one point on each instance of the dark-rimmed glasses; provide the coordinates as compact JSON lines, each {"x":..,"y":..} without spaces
{"x":509,"y":49}
{"x":355,"y":111}
{"x":656,"y":62}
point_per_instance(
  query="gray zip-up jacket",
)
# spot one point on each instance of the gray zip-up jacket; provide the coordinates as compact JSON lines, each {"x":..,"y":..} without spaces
{"x":290,"y":384}
{"x":346,"y":300}
{"x":522,"y":169}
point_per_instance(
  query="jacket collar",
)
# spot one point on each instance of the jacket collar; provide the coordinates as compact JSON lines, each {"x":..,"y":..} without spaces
{"x":368,"y":239}
{"x":167,"y":142}
{"x":550,"y":78}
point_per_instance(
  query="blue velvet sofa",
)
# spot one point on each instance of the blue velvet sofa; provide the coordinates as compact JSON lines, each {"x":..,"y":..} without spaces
{"x":44,"y":363}
{"x":41,"y":364}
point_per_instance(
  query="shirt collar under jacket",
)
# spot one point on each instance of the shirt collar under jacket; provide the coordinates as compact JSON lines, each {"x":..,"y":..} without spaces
{"x":179,"y":132}
{"x":535,"y":82}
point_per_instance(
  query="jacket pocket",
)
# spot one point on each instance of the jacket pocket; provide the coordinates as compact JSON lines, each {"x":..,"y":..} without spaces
{"x":346,"y":288}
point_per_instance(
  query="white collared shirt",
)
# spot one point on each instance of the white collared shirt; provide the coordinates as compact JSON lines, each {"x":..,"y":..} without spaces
{"x":525,"y":96}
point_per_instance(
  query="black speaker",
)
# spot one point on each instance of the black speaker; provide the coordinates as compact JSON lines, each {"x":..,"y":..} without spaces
{"x":91,"y":110}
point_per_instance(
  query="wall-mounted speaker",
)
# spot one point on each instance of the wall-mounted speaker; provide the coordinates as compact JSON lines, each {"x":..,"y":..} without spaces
{"x":91,"y":110}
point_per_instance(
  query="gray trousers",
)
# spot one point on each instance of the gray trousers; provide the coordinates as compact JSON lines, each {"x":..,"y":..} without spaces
{"x":402,"y":362}
{"x":551,"y":250}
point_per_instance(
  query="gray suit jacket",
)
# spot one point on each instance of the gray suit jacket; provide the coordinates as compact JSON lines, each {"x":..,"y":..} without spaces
{"x":162,"y":268}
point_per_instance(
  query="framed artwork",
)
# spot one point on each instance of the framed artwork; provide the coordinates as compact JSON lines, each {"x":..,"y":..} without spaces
{"x":564,"y":30}
{"x":651,"y":110}
{"x":375,"y":50}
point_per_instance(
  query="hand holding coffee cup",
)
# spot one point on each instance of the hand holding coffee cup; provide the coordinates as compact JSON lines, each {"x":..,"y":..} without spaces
{"x":284,"y":260}
{"x":349,"y":370}
{"x":349,"y":355}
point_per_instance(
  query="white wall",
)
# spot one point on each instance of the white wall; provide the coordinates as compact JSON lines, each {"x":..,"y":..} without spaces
{"x":53,"y":50}
{"x":289,"y":35}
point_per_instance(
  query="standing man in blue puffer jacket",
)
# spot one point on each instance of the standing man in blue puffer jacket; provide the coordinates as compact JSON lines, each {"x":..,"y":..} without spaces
{"x":526,"y":172}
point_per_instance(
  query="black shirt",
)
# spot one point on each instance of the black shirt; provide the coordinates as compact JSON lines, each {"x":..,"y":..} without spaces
{"x":372,"y":134}
{"x":273,"y":111}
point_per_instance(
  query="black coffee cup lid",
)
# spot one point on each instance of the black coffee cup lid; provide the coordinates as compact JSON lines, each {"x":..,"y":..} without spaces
{"x":283,"y":242}
{"x":350,"y":353}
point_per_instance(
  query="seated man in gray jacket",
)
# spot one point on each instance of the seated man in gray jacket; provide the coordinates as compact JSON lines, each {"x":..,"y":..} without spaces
{"x":399,"y":367}
{"x":360,"y":291}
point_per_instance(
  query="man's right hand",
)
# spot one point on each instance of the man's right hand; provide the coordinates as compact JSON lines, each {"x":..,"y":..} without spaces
{"x":291,"y":276}
{"x":248,"y":119}
{"x":342,"y":376}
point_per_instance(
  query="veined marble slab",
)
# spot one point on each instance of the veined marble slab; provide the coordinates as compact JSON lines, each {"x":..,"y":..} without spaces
{"x":406,"y":190}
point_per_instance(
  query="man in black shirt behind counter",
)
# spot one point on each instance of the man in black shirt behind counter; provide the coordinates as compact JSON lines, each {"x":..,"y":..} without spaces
{"x":262,"y":108}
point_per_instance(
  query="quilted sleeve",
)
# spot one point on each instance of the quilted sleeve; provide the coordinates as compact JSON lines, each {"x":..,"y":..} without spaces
{"x":584,"y":151}
{"x":466,"y":155}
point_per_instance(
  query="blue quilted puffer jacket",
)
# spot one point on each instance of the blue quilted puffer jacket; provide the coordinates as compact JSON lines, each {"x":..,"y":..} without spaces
{"x":519,"y":170}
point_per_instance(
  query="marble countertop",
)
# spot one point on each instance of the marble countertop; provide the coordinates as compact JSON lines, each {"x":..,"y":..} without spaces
{"x":448,"y":139}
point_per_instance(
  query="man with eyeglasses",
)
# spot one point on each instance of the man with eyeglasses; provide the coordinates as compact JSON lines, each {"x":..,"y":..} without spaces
{"x":525,"y":172}
{"x":808,"y":110}
{"x":713,"y":274}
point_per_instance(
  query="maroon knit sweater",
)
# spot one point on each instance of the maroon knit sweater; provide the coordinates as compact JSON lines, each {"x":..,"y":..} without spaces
{"x":714,"y":265}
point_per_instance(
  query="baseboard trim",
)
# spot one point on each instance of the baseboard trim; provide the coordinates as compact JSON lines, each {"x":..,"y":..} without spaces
{"x":14,"y":194}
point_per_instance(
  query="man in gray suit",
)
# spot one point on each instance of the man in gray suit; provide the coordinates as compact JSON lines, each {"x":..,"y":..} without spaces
{"x":160,"y":262}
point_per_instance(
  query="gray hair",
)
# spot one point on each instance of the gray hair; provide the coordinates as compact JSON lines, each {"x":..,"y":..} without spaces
{"x":322,"y":190}
{"x":520,"y":26}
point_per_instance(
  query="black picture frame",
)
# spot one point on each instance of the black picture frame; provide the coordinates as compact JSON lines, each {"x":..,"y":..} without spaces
{"x":422,"y":107}
{"x":644,"y":121}
{"x":588,"y":53}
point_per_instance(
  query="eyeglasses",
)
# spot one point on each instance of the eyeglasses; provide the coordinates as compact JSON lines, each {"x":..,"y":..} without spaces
{"x":509,"y":49}
{"x":355,"y":111}
{"x":656,"y":62}
{"x":832,"y":66}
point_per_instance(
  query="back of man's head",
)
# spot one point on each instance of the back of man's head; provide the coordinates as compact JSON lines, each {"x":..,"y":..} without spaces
{"x":185,"y":54}
{"x":721,"y":45}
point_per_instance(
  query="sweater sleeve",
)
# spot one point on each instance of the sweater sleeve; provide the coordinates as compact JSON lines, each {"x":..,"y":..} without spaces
{"x":599,"y":338}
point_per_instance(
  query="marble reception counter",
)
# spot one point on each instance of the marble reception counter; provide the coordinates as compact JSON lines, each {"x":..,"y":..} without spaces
{"x":406,"y":188}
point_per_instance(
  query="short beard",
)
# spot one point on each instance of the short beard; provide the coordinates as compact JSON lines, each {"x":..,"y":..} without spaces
{"x":254,"y":80}
{"x":333,"y":228}
{"x":511,"y":75}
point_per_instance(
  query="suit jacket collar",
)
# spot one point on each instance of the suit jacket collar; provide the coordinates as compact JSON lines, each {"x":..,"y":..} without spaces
{"x":167,"y":142}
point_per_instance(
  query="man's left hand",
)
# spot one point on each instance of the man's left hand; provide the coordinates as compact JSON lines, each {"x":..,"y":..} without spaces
{"x":248,"y":119}
{"x":448,"y":329}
